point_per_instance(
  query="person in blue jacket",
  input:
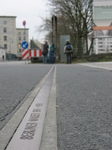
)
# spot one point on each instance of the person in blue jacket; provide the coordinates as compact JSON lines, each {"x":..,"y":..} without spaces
{"x":52,"y":53}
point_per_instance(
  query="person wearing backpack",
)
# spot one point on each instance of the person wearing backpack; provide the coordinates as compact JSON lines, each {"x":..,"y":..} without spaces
{"x":45,"y":52}
{"x":68,"y":50}
{"x":52,"y":53}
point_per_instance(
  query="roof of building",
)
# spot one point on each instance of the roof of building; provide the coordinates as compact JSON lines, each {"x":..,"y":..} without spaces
{"x":7,"y":16}
{"x":102,"y":3}
{"x":22,"y":28}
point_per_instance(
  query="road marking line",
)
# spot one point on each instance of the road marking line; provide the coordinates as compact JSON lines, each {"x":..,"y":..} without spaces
{"x":93,"y":66}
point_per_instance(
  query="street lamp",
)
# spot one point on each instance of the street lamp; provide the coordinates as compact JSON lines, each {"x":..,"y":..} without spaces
{"x":19,"y":45}
{"x":19,"y":50}
{"x":11,"y":41}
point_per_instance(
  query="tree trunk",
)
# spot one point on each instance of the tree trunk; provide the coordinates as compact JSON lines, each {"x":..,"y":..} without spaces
{"x":87,"y":45}
{"x":80,"y":48}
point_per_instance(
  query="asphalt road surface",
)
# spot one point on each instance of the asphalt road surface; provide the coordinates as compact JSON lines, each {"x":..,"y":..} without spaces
{"x":84,"y":108}
{"x":84,"y":101}
{"x":16,"y":81}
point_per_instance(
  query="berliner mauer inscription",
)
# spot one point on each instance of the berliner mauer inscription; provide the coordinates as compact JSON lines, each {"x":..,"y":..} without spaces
{"x":31,"y":126}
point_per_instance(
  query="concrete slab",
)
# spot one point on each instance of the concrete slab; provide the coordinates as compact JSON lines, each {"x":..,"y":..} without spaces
{"x":7,"y":132}
{"x":49,"y":138}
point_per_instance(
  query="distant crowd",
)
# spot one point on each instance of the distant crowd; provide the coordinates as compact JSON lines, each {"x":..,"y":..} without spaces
{"x":51,"y":52}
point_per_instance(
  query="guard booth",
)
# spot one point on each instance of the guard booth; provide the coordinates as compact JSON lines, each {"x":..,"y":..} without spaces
{"x":63,"y":39}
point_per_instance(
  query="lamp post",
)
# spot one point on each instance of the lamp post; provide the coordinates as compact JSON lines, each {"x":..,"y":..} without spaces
{"x":10,"y":55}
{"x":54,"y":33}
{"x":24,"y":24}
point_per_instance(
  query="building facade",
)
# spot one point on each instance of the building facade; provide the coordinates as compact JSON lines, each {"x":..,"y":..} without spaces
{"x":9,"y":35}
{"x":102,"y":17}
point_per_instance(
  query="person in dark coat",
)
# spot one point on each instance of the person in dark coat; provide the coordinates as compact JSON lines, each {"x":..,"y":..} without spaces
{"x":45,"y":52}
{"x":68,"y":50}
{"x":3,"y":57}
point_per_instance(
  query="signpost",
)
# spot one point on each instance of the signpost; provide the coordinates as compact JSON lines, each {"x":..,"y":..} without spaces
{"x":24,"y":23}
{"x":24,"y":45}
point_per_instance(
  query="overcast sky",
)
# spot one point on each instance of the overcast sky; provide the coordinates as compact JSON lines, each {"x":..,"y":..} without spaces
{"x":29,"y":10}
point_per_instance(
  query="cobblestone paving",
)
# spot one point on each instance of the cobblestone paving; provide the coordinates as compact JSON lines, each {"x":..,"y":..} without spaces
{"x":84,"y":108}
{"x":16,"y":81}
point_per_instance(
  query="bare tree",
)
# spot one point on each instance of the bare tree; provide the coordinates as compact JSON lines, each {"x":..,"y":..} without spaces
{"x":74,"y":18}
{"x":77,"y":14}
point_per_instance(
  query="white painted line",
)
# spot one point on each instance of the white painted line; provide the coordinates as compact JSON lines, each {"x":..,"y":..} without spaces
{"x":95,"y":66}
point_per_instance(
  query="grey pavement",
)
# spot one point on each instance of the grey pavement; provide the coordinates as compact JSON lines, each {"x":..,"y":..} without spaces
{"x":9,"y":129}
{"x":81,"y":98}
{"x":84,"y":107}
{"x":16,"y":81}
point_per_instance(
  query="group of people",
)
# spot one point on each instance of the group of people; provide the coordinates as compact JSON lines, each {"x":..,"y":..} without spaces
{"x":68,"y":50}
{"x":52,"y":53}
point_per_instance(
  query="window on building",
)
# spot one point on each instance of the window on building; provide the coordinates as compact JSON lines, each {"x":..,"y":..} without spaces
{"x":24,"y":32}
{"x":19,"y":38}
{"x":4,"y":22}
{"x":101,"y":50}
{"x":99,"y":38}
{"x":5,"y":38}
{"x":19,"y":33}
{"x":5,"y":29}
{"x":19,"y":50}
{"x":5,"y":46}
{"x":24,"y":37}
{"x":100,"y":43}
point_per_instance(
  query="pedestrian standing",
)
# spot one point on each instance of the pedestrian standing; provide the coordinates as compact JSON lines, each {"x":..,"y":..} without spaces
{"x":52,"y":53}
{"x":68,"y":50}
{"x":3,"y":57}
{"x":45,"y":52}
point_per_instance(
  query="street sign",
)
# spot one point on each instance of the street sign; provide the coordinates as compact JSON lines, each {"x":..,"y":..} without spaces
{"x":24,"y":45}
{"x":24,"y":23}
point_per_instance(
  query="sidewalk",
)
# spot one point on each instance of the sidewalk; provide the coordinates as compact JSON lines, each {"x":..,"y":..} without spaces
{"x":11,"y":62}
{"x":103,"y":65}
